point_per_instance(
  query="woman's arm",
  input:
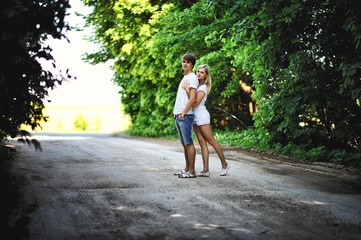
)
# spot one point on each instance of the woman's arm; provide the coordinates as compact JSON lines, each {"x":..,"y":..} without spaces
{"x":199,"y":97}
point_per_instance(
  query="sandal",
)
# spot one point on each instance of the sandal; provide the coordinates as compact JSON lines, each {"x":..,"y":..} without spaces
{"x":187,"y":175}
{"x":181,"y":172}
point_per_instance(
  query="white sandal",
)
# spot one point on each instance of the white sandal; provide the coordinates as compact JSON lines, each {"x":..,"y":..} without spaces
{"x":181,"y":172}
{"x":187,"y":175}
{"x":225,"y":170}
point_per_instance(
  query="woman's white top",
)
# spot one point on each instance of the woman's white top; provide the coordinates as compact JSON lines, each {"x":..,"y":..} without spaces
{"x":201,"y":114}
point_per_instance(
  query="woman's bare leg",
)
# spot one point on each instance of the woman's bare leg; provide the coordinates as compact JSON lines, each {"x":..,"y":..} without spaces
{"x":207,"y":134}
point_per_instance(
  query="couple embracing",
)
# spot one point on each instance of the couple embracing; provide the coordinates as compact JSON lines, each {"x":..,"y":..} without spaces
{"x":190,"y":112}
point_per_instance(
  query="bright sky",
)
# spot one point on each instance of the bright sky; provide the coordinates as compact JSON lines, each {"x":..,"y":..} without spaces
{"x":93,"y":86}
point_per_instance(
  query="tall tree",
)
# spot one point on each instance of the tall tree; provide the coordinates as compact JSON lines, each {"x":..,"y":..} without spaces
{"x":24,"y":84}
{"x":125,"y":29}
{"x":305,"y":59}
{"x":147,"y":40}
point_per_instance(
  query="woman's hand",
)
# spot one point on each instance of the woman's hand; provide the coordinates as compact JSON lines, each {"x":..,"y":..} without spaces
{"x":186,"y":86}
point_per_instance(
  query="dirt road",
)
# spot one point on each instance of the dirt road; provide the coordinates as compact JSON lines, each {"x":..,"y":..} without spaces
{"x":116,"y":187}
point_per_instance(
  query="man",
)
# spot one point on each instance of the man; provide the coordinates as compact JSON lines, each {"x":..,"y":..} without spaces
{"x":183,"y":115}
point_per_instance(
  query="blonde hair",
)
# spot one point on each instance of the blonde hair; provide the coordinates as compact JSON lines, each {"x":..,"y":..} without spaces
{"x":208,"y":80}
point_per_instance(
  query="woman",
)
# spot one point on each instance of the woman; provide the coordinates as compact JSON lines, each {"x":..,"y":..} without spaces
{"x":201,"y":126}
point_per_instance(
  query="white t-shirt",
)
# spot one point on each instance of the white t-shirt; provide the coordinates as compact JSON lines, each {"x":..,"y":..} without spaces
{"x":182,"y":97}
{"x":201,"y":114}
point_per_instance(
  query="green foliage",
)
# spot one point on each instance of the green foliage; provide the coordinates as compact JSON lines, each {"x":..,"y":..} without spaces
{"x":23,"y":83}
{"x":80,"y":123}
{"x":148,"y":60}
{"x":286,"y":74}
{"x":298,"y":60}
{"x":255,"y":139}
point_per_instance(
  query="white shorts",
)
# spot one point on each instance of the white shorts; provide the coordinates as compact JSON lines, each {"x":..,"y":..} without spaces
{"x":201,"y":121}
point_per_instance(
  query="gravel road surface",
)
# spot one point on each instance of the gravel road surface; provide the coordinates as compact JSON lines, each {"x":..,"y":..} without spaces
{"x":84,"y":186}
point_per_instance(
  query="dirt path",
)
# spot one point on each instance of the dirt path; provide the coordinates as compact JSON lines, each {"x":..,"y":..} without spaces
{"x":116,"y":187}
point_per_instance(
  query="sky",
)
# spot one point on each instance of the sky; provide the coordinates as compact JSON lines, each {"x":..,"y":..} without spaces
{"x":93,"y":86}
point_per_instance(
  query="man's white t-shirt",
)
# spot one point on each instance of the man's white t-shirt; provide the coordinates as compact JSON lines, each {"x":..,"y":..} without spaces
{"x":182,"y":97}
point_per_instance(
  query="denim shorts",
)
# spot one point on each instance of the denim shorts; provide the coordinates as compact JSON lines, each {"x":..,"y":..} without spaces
{"x":184,"y":128}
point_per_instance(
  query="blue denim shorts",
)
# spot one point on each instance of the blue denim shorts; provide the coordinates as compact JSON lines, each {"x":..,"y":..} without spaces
{"x":184,"y":128}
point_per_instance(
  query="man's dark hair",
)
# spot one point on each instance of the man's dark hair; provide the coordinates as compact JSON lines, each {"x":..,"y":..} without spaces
{"x":190,"y":58}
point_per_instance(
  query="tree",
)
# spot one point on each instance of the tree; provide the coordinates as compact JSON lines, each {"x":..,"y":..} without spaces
{"x":80,"y":122}
{"x":305,"y":58}
{"x":147,"y":39}
{"x":24,"y":85}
